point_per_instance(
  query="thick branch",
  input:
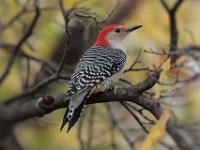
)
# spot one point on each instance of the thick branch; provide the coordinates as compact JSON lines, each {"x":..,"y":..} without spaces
{"x":17,"y":112}
{"x":22,"y":110}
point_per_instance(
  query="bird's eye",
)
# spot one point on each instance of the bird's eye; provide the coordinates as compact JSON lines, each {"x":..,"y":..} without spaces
{"x":118,"y":30}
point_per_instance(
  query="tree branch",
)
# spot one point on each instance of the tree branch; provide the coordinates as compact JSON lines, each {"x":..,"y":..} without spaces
{"x":17,"y":112}
{"x":8,"y":140}
{"x":20,"y":43}
{"x":173,"y":26}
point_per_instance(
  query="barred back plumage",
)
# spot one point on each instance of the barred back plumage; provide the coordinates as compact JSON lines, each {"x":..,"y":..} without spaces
{"x":97,"y":64}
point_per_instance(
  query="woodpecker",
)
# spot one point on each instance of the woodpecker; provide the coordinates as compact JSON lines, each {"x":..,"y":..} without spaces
{"x":98,"y":70}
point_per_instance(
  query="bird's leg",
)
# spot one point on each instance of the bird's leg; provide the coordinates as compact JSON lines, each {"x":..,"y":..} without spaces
{"x":114,"y":88}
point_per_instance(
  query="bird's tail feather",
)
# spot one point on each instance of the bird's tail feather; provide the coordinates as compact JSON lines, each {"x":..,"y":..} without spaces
{"x":75,"y":116}
{"x":72,"y":115}
{"x":65,"y":119}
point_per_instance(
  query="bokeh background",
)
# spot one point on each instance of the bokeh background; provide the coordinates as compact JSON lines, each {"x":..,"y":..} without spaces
{"x":43,"y":133}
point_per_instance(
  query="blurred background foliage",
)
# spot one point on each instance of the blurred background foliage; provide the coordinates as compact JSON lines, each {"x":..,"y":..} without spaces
{"x":43,"y":133}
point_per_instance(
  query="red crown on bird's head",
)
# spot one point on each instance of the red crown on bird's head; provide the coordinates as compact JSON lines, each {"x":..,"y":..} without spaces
{"x":101,"y":39}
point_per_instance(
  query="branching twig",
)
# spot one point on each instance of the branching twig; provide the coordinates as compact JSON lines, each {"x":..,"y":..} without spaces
{"x":140,"y":111}
{"x":137,"y":60}
{"x":110,"y":14}
{"x":135,"y":116}
{"x":20,"y":43}
{"x":36,"y":88}
{"x":15,"y":18}
{"x":115,"y":122}
{"x":173,"y":27}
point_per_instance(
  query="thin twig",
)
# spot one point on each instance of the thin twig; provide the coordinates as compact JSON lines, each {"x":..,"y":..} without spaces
{"x":111,"y":13}
{"x":90,"y":128}
{"x":26,"y":85}
{"x":79,"y":133}
{"x":140,"y":111}
{"x":115,"y":122}
{"x":135,"y":116}
{"x":15,"y":18}
{"x":20,"y":43}
{"x":173,"y":26}
{"x":34,"y":89}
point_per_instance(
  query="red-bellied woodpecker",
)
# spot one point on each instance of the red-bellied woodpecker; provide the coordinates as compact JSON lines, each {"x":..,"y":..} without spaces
{"x":99,"y":68}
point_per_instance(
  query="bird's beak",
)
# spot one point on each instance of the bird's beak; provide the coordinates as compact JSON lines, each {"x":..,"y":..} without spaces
{"x":132,"y":28}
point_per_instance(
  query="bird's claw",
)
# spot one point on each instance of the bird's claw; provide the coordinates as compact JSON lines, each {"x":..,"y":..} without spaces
{"x":114,"y":88}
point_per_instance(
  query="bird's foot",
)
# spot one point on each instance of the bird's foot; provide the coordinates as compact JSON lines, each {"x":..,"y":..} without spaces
{"x":114,"y":88}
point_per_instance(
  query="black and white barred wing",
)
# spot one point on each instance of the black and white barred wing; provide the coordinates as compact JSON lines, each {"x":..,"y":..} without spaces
{"x":95,"y":66}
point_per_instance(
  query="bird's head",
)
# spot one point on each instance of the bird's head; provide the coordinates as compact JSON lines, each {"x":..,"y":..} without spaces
{"x":113,"y":35}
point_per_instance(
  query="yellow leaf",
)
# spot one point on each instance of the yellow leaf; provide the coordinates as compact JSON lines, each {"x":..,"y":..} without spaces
{"x":163,"y":77}
{"x":157,"y":89}
{"x":193,"y":96}
{"x":166,"y":65}
{"x":156,"y":133}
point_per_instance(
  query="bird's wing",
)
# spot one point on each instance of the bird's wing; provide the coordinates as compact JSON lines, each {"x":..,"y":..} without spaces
{"x":94,"y":67}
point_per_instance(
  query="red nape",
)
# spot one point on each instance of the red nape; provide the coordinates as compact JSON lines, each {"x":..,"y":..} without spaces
{"x":101,"y":39}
